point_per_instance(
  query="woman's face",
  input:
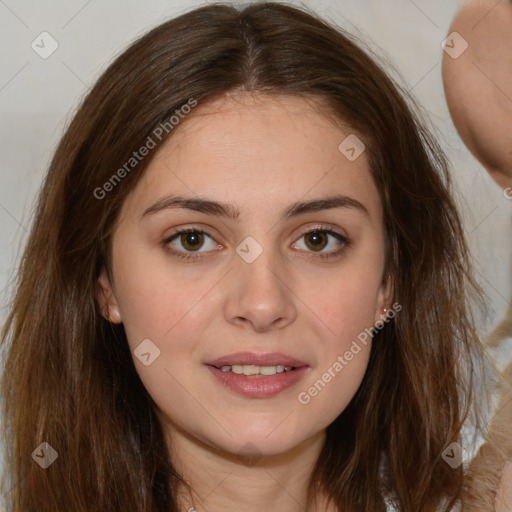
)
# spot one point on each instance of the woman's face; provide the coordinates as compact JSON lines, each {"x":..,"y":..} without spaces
{"x":257,"y":293}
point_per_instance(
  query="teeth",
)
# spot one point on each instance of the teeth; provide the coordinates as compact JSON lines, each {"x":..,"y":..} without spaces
{"x":251,"y":369}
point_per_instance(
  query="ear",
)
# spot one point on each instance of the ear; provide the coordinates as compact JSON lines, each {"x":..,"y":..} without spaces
{"x":384,"y":298}
{"x":106,"y":298}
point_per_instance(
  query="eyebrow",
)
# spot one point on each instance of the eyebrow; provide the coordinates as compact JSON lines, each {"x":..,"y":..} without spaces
{"x":221,"y":209}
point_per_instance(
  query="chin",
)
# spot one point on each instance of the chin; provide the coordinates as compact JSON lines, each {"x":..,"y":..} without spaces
{"x":253,"y":445}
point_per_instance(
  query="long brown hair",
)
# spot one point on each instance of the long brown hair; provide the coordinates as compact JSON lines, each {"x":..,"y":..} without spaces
{"x":69,"y":377}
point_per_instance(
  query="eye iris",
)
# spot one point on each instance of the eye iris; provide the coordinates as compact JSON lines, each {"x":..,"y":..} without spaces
{"x":192,"y":241}
{"x":317,"y":239}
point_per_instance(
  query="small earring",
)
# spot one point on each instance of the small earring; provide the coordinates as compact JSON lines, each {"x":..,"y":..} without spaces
{"x":385,"y":310}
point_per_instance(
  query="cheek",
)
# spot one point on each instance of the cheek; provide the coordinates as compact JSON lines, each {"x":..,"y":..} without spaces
{"x":344,"y":314}
{"x":160,"y":305}
{"x":344,"y":301}
{"x":344,"y":328}
{"x":331,"y":388}
{"x":157,"y":302}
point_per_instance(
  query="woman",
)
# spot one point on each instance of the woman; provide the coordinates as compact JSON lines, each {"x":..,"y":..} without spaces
{"x":246,"y":286}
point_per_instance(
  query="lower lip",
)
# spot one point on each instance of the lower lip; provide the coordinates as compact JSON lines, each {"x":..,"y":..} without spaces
{"x":258,"y":387}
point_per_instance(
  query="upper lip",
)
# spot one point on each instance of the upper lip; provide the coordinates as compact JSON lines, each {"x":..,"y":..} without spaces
{"x":252,"y":358}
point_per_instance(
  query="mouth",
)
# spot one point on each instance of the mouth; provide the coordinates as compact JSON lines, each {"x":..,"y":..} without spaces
{"x":251,"y":370}
{"x":257,"y":375}
{"x":268,"y":360}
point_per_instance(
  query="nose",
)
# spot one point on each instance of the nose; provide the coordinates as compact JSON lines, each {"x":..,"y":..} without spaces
{"x":260,"y":294}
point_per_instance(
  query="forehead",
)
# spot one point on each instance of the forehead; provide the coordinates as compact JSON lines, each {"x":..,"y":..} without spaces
{"x":255,"y":151}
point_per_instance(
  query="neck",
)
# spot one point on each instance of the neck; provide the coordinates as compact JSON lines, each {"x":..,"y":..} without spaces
{"x":221,"y":481}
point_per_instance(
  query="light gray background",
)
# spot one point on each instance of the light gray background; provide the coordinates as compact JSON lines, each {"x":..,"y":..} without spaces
{"x":38,"y":97}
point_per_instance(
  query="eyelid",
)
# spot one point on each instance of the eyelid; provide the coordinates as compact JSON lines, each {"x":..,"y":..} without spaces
{"x":212,"y":233}
{"x":188,"y":229}
{"x":330,"y":230}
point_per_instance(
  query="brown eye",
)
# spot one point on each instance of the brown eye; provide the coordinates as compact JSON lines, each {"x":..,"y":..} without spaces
{"x":314,"y":243}
{"x":316,"y":240}
{"x":192,"y":241}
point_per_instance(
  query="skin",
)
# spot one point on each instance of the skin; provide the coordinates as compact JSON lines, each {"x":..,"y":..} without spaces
{"x":261,"y":154}
{"x":478,"y":85}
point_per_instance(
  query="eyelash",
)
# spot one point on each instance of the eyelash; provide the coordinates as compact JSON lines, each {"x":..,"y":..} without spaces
{"x":318,"y":229}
